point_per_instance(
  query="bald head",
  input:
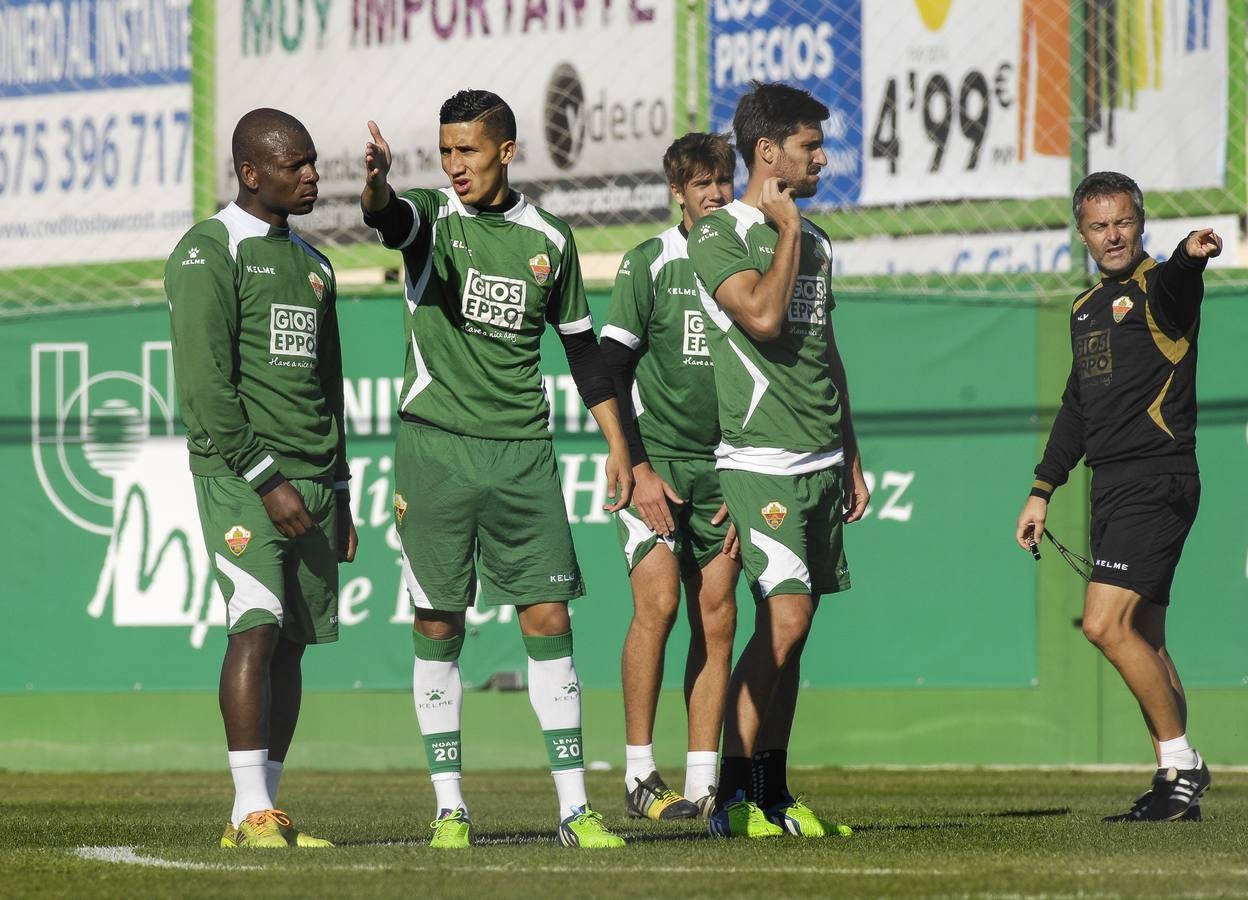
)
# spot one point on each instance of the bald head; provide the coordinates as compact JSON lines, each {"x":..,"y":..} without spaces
{"x":275,"y":162}
{"x":261,"y":133}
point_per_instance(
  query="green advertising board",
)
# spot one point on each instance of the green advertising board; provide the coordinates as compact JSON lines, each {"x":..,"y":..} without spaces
{"x":109,"y":587}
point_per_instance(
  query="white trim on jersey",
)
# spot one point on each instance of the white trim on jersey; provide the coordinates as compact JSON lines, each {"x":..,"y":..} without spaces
{"x":756,"y":375}
{"x":240,"y":225}
{"x":249,"y":593}
{"x":621,"y":335}
{"x":775,"y":461}
{"x":782,"y":563}
{"x":713,"y":310}
{"x":422,"y":380}
{"x":413,"y":291}
{"x":255,"y":471}
{"x":674,"y":247}
{"x":744,"y":217}
{"x":814,"y":232}
{"x":585,"y":324}
{"x":638,"y":533}
{"x":635,"y":394}
{"x":411,"y":235}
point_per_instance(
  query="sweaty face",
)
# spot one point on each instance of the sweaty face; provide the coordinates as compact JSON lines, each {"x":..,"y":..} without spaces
{"x":286,"y":176}
{"x":1113,"y":232}
{"x":475,"y":162}
{"x":704,"y":193}
{"x":800,"y":160}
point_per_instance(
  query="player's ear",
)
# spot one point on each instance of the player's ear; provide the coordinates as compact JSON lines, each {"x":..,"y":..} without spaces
{"x":249,"y":175}
{"x":506,"y":152}
{"x":765,"y":150}
{"x":677,"y":194}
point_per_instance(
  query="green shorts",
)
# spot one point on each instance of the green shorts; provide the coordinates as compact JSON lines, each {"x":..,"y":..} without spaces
{"x":267,"y":578}
{"x":467,"y":504}
{"x":790,"y":528}
{"x":696,"y":542}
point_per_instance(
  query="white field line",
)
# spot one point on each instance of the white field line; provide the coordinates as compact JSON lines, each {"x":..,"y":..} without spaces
{"x":128,"y":856}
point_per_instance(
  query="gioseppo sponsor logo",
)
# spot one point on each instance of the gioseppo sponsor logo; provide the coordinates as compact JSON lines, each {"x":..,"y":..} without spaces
{"x":292,"y":331}
{"x":108,"y":458}
{"x":810,"y":300}
{"x":695,"y":334}
{"x":1093,"y":355}
{"x":494,"y":300}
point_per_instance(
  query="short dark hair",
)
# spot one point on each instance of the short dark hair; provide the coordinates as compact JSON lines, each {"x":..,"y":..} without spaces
{"x":481,"y":106}
{"x":696,"y":152}
{"x":1105,"y":184}
{"x":774,"y":111}
{"x":255,"y":132}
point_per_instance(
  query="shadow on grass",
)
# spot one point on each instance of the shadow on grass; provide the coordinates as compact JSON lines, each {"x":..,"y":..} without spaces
{"x":1030,"y":813}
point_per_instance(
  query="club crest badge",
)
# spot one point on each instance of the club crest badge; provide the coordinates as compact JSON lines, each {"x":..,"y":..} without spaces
{"x":774,"y":513}
{"x":1121,"y":307}
{"x":400,"y":507}
{"x":540,"y":267}
{"x":237,"y":539}
{"x":318,"y":286}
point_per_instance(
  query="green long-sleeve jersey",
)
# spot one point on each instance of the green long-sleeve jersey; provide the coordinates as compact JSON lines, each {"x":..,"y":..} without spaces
{"x":256,"y":353}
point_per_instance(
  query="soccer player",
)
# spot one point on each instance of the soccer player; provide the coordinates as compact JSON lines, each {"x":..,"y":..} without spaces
{"x":788,"y":460}
{"x":1129,"y":409}
{"x":673,"y":533}
{"x":259,"y":371}
{"x":476,"y":485}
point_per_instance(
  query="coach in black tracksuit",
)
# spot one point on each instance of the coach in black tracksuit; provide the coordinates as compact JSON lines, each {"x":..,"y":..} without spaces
{"x":1129,"y":409}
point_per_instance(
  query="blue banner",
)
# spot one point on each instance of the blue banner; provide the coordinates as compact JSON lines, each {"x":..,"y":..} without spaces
{"x":816,"y":46}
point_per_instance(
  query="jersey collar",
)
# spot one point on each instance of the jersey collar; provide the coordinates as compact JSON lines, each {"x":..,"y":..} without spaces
{"x":743,"y":212}
{"x":247,"y":226}
{"x":514,"y":214}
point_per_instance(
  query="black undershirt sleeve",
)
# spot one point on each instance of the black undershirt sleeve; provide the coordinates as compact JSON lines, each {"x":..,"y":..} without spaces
{"x":1066,"y":443}
{"x":621,"y":363}
{"x":394,"y":220}
{"x":593,"y":382}
{"x":1180,"y":287}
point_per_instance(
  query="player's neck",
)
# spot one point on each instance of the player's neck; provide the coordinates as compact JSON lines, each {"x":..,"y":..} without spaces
{"x":248,"y":204}
{"x":754,"y":187}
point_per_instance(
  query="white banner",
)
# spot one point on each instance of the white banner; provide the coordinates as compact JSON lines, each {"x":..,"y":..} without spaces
{"x":95,"y":130}
{"x":1011,"y":252}
{"x":963,"y":99}
{"x":591,"y":84}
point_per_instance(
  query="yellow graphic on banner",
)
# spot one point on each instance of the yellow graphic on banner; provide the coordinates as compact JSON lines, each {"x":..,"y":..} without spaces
{"x":933,"y":12}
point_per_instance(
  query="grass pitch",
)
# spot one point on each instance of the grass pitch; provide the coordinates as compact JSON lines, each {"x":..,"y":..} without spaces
{"x":919,"y":833}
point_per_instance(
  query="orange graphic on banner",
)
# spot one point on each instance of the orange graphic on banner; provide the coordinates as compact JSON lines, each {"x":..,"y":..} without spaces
{"x":1046,"y":36}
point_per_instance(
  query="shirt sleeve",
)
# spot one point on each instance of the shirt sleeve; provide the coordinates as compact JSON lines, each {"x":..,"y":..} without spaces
{"x":717,"y":253}
{"x":1178,"y":290}
{"x":1066,"y":442}
{"x":204,"y":322}
{"x":632,"y":302}
{"x":567,"y":309}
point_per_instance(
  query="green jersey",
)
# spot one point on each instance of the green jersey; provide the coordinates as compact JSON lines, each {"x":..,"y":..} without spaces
{"x":256,"y":354}
{"x":481,"y":288}
{"x":656,"y":311}
{"x":779,"y":409}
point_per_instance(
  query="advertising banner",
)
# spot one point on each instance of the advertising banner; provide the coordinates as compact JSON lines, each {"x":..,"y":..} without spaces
{"x":95,"y":130}
{"x":591,"y":84}
{"x":110,"y":587}
{"x":944,"y":100}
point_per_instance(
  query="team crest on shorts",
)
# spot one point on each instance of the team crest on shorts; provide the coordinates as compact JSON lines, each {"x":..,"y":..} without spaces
{"x":318,"y":286}
{"x":1121,"y":307}
{"x":774,"y":513}
{"x":540,"y":267}
{"x":237,"y":539}
{"x":400,"y":507}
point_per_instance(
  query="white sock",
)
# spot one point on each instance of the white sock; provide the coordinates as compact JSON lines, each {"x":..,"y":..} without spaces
{"x":700,"y":767}
{"x":447,"y":793}
{"x":570,"y":788}
{"x":1178,"y":753}
{"x":639,"y":763}
{"x":251,"y":793}
{"x":438,"y":692}
{"x":272,"y":779}
{"x":559,"y":714}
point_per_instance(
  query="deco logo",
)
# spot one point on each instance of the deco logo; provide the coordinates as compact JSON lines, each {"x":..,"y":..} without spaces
{"x":571,"y":118}
{"x":292,"y":331}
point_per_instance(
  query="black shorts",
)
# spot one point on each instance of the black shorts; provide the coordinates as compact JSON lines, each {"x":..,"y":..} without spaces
{"x":1138,"y":530}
